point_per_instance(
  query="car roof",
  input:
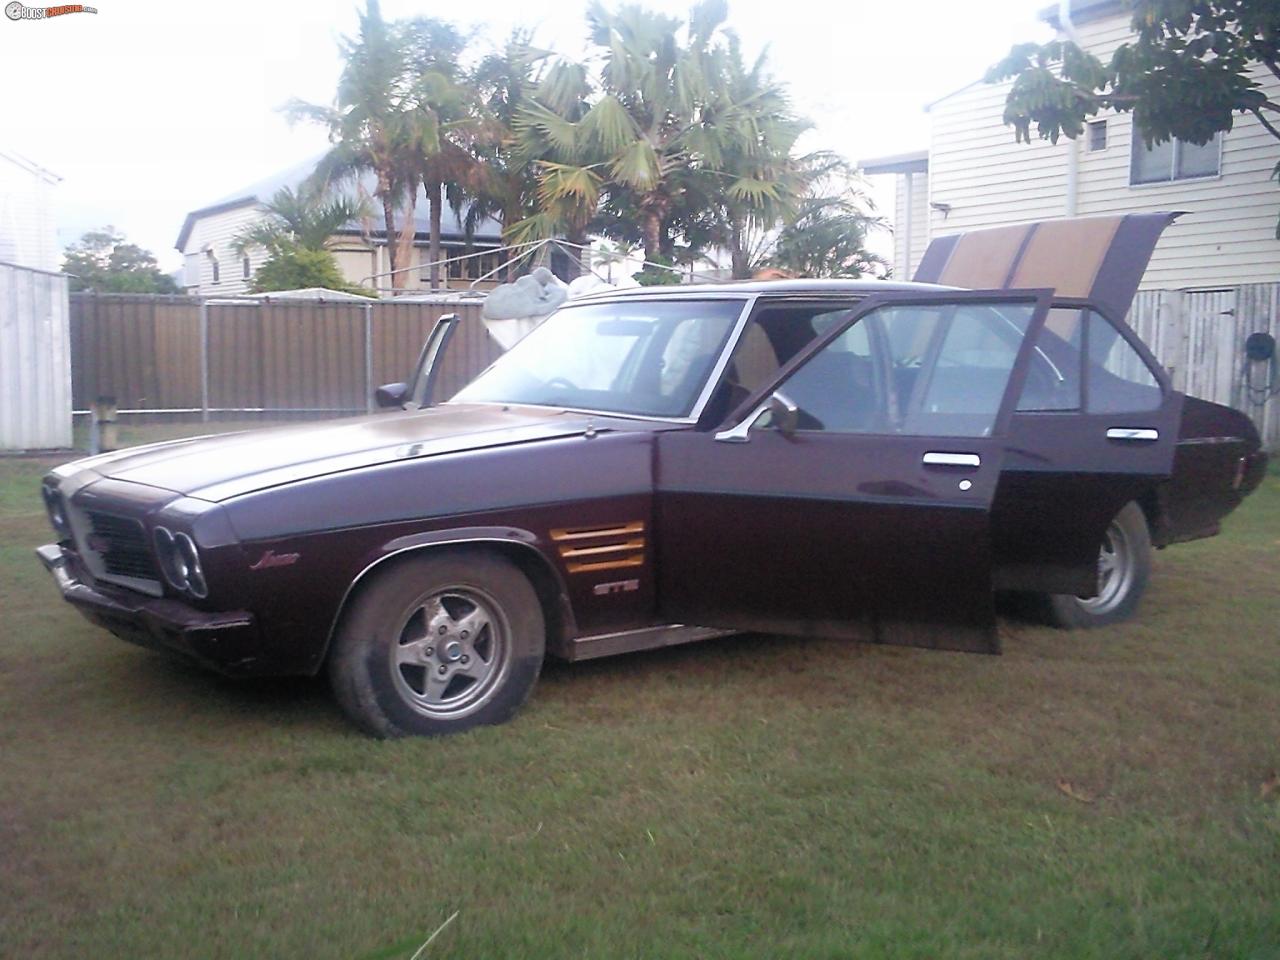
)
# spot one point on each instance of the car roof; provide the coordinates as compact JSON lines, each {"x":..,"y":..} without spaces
{"x":857,"y":288}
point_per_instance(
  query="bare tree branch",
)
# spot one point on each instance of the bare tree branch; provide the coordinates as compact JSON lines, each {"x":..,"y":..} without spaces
{"x":1271,"y":128}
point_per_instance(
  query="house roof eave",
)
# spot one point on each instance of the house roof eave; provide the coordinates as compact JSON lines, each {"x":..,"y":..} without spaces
{"x":189,"y":223}
{"x":1082,"y":11}
{"x":916,"y":161}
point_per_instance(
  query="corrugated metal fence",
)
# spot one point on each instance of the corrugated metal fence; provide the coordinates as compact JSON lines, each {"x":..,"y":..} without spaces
{"x":268,"y":360}
{"x":35,"y":364}
{"x":1199,"y":336}
{"x":181,"y":356}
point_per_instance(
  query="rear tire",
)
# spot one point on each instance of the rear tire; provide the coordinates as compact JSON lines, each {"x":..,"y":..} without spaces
{"x":438,"y":643}
{"x":1124,"y":567}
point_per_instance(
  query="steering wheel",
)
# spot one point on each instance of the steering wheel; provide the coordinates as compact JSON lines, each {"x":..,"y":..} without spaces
{"x":563,"y":382}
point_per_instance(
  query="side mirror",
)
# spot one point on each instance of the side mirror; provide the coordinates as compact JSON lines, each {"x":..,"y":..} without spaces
{"x":777,"y":413}
{"x":391,"y":394}
{"x":780,"y":414}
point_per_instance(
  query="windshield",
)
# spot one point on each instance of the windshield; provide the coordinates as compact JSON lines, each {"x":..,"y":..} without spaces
{"x":639,"y":357}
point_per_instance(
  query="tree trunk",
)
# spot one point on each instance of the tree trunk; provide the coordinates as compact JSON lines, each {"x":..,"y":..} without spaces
{"x":652,"y":234}
{"x":510,"y":214}
{"x":741,"y":268}
{"x":389,"y":218}
{"x":404,"y":243}
{"x":435,"y":198}
{"x":577,"y":254}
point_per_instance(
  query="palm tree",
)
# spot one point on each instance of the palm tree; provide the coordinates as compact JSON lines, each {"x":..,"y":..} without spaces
{"x":447,"y":123}
{"x":570,"y":170}
{"x":298,"y":220}
{"x":373,"y":128}
{"x":647,"y":127}
{"x":506,"y":181}
{"x":828,"y":238}
{"x":759,"y":181}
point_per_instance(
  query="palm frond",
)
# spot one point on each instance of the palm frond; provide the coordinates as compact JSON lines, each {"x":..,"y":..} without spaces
{"x":636,"y":165}
{"x":560,"y":181}
{"x":555,"y":133}
{"x":608,"y":125}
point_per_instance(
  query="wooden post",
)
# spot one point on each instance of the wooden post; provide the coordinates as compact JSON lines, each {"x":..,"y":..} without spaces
{"x":204,"y":360}
{"x":370,"y":406}
{"x":104,"y":436}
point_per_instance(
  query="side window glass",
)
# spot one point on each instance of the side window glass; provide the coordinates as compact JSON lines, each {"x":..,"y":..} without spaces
{"x":917,"y":370}
{"x":1053,"y":372}
{"x":755,"y":362}
{"x":962,"y":383}
{"x":1119,"y":380}
{"x":838,"y":389}
{"x":687,"y":346}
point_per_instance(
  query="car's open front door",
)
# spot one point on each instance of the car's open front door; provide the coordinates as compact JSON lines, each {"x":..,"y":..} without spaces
{"x":853,"y":495}
{"x":456,"y":351}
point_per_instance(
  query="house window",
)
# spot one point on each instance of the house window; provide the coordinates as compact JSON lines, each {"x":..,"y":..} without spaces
{"x":217,"y":272}
{"x":1097,"y":136}
{"x":247,"y":268}
{"x":457,"y":268}
{"x":1174,"y":160}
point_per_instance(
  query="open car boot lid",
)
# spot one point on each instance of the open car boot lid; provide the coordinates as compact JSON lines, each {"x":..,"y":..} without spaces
{"x":1099,"y":258}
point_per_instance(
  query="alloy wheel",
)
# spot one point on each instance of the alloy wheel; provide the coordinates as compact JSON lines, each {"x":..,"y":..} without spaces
{"x":452,"y":652}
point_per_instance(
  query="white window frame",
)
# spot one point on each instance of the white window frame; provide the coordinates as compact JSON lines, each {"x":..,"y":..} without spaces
{"x":1137,"y":144}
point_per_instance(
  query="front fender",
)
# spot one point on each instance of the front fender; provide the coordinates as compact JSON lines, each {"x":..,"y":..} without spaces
{"x":521,"y":546}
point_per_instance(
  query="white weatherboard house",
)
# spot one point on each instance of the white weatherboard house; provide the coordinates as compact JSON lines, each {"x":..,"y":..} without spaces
{"x":28,"y":225}
{"x":975,"y":175}
{"x":212,"y":267}
{"x":1215,"y":276}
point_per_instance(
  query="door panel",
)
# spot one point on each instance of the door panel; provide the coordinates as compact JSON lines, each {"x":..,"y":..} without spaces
{"x":872,"y":519}
{"x":827,"y":534}
{"x":1068,"y":472}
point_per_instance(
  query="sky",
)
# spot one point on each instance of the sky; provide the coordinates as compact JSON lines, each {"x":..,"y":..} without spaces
{"x":148,"y":110}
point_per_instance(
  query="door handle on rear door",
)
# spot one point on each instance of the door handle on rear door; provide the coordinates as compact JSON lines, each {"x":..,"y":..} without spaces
{"x":933,"y":459}
{"x":1135,"y":434}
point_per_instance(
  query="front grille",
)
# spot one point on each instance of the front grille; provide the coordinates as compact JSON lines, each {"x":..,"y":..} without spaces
{"x":121,"y":544}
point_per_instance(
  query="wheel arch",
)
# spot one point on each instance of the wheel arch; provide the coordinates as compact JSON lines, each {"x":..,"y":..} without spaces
{"x":522,"y":552}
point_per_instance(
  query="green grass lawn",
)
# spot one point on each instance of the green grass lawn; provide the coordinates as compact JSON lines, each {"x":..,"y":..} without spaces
{"x":748,"y":797}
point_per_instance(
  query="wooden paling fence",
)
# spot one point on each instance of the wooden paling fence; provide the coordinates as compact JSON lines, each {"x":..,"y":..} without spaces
{"x":1199,"y":336}
{"x":161,"y":356}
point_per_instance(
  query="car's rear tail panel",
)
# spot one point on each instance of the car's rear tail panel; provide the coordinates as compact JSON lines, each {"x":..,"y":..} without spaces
{"x":1218,"y":462}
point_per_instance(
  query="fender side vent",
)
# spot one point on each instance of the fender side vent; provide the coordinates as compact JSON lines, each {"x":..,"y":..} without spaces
{"x":592,"y":549}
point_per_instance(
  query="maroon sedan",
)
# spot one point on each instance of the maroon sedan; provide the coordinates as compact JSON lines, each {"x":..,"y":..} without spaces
{"x":862,"y":459}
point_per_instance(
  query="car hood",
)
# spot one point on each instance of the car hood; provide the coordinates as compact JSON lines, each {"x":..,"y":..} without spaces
{"x":220,"y":467}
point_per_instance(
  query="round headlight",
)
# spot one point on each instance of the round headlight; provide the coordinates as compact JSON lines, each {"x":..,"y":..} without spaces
{"x":57,"y":511}
{"x":171,"y":561}
{"x":189,"y":558}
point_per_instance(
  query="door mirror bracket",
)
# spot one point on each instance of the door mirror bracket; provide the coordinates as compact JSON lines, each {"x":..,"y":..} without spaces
{"x":779,"y":413}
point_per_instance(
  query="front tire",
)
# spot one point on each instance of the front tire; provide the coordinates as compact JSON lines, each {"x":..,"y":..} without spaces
{"x":438,"y":643}
{"x":1124,"y":567}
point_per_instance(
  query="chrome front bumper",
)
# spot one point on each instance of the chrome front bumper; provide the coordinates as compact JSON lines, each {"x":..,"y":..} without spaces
{"x":226,"y":641}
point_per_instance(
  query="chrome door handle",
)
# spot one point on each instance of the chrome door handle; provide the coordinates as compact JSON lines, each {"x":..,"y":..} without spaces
{"x":1135,"y":434}
{"x":951,"y":460}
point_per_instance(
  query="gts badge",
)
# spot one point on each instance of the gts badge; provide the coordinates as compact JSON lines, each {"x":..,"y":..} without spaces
{"x":619,"y":586}
{"x":272,"y":559}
